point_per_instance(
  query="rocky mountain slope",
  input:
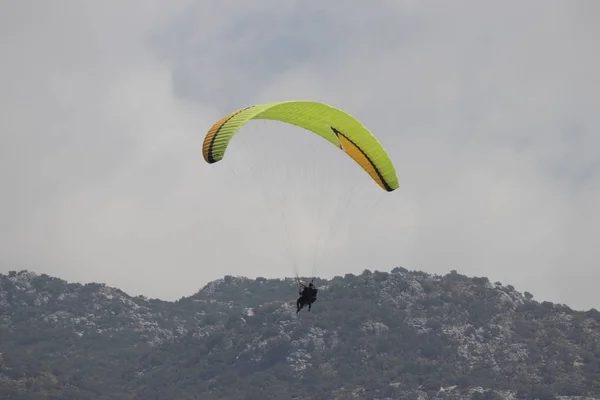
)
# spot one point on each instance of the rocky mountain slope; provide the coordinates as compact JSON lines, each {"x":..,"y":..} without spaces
{"x":378,"y":335}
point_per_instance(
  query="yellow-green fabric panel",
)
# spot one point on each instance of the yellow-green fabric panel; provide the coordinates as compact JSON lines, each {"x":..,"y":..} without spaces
{"x":320,"y":118}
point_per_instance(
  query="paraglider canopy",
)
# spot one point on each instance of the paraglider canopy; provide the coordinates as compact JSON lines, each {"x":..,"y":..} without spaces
{"x":288,"y":201}
{"x":332,"y":124}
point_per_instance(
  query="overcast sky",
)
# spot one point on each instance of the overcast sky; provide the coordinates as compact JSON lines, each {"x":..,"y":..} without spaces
{"x":489,"y":111}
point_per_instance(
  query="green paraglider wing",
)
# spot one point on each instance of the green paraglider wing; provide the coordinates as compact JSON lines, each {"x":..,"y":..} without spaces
{"x":334,"y":125}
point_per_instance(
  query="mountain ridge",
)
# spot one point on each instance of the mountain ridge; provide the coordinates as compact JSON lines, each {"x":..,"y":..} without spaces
{"x":376,"y":335}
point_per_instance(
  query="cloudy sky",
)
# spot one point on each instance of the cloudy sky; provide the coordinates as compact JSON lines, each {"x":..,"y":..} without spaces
{"x":488,"y":109}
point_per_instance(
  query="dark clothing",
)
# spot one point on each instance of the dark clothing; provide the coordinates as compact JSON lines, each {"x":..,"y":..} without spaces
{"x":308,"y":295}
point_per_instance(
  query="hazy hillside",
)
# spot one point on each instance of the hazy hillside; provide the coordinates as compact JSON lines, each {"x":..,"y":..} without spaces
{"x":399,"y":335}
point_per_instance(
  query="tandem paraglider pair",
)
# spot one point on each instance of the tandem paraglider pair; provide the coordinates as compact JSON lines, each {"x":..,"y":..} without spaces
{"x":308,"y":295}
{"x":332,"y":124}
